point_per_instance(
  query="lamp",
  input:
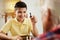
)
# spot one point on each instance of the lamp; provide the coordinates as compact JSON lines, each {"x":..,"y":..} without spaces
{"x":9,"y":5}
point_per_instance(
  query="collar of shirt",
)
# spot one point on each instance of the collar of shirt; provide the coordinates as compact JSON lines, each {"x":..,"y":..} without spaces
{"x":24,"y":22}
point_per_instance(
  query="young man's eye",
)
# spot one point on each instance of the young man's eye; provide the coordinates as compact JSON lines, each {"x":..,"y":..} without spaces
{"x":24,"y":11}
{"x":19,"y":12}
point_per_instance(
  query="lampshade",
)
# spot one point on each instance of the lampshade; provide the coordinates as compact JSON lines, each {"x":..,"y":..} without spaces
{"x":9,"y":5}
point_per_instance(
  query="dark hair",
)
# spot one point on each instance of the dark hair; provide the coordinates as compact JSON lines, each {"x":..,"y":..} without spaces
{"x":20,"y":4}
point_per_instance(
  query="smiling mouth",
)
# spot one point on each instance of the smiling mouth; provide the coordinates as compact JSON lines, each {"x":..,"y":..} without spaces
{"x":20,"y":17}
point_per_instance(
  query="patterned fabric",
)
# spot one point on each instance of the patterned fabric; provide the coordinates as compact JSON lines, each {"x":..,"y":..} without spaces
{"x":52,"y":35}
{"x":48,"y":36}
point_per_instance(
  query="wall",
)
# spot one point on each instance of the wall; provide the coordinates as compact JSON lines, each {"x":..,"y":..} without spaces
{"x":54,"y":5}
{"x":6,"y":6}
{"x":1,"y":12}
{"x":34,"y":8}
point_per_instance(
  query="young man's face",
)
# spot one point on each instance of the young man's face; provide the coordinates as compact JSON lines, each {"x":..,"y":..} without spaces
{"x":20,"y":13}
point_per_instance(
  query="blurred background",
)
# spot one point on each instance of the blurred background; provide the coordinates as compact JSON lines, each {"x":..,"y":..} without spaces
{"x":36,"y":7}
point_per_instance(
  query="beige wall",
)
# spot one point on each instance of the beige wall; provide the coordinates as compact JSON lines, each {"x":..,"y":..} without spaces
{"x":1,"y":12}
{"x":54,"y":5}
{"x":34,"y":8}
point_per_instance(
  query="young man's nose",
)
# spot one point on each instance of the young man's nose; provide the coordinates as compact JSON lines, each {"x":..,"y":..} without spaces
{"x":21,"y":13}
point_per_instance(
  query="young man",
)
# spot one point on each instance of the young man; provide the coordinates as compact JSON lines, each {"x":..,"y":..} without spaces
{"x":20,"y":25}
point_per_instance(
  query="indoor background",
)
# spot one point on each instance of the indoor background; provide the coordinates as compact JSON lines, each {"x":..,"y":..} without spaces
{"x":36,"y":7}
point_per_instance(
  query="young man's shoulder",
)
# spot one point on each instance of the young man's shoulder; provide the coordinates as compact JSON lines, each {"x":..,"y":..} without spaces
{"x":10,"y":20}
{"x":15,"y":20}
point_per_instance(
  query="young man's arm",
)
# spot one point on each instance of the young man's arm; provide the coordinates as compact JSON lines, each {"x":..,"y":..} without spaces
{"x":34,"y":29}
{"x":4,"y":36}
{"x":5,"y":30}
{"x":6,"y":27}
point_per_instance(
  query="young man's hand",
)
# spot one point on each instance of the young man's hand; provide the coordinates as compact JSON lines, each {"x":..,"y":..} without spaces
{"x":16,"y":38}
{"x":3,"y":36}
{"x":33,"y":20}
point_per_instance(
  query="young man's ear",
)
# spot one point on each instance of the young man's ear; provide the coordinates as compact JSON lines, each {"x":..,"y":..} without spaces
{"x":15,"y":12}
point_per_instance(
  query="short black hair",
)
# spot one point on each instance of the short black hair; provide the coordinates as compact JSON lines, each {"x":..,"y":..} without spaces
{"x":20,"y":4}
